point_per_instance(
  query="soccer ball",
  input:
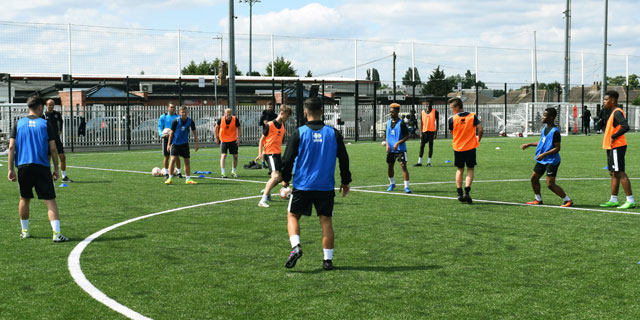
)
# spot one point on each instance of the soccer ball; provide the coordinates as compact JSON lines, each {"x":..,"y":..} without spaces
{"x":175,"y":171}
{"x":166,"y":132}
{"x":156,"y":172}
{"x":285,"y":193}
{"x":384,"y":143}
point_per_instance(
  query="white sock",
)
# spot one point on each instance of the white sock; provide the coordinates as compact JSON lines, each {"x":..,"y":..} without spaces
{"x":328,"y":254}
{"x":55,"y":225}
{"x":614,"y":198}
{"x":428,"y":160}
{"x":170,"y":176}
{"x":538,"y":197}
{"x":179,"y":171}
{"x":406,"y":184}
{"x":295,"y":240}
{"x":188,"y":177}
{"x":420,"y":160}
{"x":392,"y":180}
{"x":24,"y":224}
{"x":222,"y":170}
{"x":630,"y":199}
{"x":265,"y":198}
{"x":566,"y":198}
{"x":233,"y":170}
{"x":64,"y":173}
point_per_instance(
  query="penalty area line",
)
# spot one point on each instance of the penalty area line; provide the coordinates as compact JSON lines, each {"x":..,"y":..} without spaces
{"x":78,"y":276}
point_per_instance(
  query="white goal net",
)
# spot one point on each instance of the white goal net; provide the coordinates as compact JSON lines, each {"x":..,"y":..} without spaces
{"x":531,"y":116}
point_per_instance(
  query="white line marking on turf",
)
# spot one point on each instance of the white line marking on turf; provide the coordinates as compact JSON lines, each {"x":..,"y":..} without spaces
{"x":86,"y":285}
{"x":481,"y":181}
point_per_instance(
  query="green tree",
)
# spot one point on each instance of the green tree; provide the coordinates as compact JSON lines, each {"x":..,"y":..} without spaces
{"x":406,"y":80}
{"x":374,"y":75}
{"x":254,"y":73}
{"x":634,"y":82}
{"x":498,"y":93}
{"x":309,"y":74}
{"x":283,"y":68}
{"x":204,"y":68}
{"x":636,"y":101}
{"x":437,"y":85}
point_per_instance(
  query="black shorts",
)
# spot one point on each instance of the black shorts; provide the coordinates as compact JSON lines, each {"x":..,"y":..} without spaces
{"x":615,"y":159}
{"x":427,"y":136}
{"x":59,"y":146}
{"x":301,"y":201}
{"x":274,"y":161}
{"x":551,"y":169}
{"x":400,"y":156}
{"x":165,"y":142}
{"x":37,"y":176}
{"x":232,"y":147}
{"x":462,"y":158}
{"x":181,"y":150}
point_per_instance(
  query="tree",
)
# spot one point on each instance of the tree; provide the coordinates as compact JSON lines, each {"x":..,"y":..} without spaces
{"x":408,"y":76}
{"x":309,"y":74}
{"x":283,"y":68}
{"x":498,"y":93}
{"x":634,"y":82}
{"x":636,"y":101}
{"x":204,"y":68}
{"x":254,"y":73}
{"x":373,"y":75}
{"x":142,"y":72}
{"x":436,"y":85}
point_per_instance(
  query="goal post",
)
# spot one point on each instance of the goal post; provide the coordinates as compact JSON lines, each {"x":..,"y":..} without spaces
{"x":566,"y":120}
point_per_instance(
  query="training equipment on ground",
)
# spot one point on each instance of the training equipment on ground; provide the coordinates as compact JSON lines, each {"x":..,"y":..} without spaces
{"x":285,"y":193}
{"x":156,"y":172}
{"x":166,"y":131}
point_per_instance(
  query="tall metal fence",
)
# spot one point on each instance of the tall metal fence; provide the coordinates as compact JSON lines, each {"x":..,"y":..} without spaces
{"x":119,"y":127}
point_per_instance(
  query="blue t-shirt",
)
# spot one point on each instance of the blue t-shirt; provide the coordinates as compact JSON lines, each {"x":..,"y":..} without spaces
{"x":32,"y":135}
{"x":315,"y":164}
{"x":165,"y":121}
{"x":395,"y":134}
{"x":181,"y":130}
{"x":546,"y":144}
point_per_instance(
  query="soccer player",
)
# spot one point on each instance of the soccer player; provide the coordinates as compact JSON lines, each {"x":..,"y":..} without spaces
{"x":227,"y":134}
{"x":267,"y":116}
{"x":165,"y":121}
{"x":396,"y":134}
{"x":547,"y":159}
{"x":179,"y":143}
{"x":430,"y":125}
{"x":463,"y":127}
{"x":615,"y":143}
{"x":31,"y":139}
{"x":54,"y":118}
{"x":271,"y":140}
{"x":311,"y":155}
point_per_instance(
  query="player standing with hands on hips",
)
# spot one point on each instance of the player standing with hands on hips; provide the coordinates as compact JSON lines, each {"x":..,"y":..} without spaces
{"x":311,"y":154}
{"x":463,"y":127}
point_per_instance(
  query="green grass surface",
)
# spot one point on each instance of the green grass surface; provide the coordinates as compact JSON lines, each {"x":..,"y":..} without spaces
{"x":396,"y":256}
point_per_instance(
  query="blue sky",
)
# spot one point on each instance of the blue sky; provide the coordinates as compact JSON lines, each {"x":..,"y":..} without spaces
{"x":447,"y":32}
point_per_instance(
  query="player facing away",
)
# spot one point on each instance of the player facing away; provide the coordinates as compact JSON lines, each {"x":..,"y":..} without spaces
{"x":463,"y":127}
{"x":55,"y":120}
{"x":396,"y":134}
{"x":31,"y":139}
{"x":311,"y":156}
{"x":547,"y":159}
{"x":615,"y":143}
{"x":164,"y":122}
{"x":430,"y":124}
{"x":228,"y":133}
{"x":271,"y":142}
{"x":179,"y":144}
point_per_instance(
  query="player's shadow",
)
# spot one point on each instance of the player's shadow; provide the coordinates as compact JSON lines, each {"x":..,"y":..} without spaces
{"x":385,"y":269}
{"x":104,"y":239}
{"x":92,"y":182}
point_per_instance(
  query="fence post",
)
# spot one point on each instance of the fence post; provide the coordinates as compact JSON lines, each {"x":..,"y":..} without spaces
{"x":299,"y":103}
{"x":477,"y":99}
{"x":375,"y":111}
{"x":273,"y":92}
{"x":356,"y":102}
{"x":180,"y":90}
{"x":505,"y":107}
{"x":283,"y":99}
{"x":128,"y":116}
{"x":626,"y":88}
{"x":71,"y":109}
{"x":322,"y":99}
{"x":446,"y":121}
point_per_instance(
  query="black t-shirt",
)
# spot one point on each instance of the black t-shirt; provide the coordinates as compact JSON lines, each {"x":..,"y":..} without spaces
{"x":229,"y":122}
{"x":267,"y":116}
{"x":265,"y":131}
{"x":556,"y":135}
{"x":55,"y":119}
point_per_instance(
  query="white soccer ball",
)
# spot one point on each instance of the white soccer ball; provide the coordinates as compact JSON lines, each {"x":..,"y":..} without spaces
{"x":384,"y":143}
{"x":156,"y":172}
{"x":166,"y":132}
{"x":285,"y":193}
{"x":175,"y":171}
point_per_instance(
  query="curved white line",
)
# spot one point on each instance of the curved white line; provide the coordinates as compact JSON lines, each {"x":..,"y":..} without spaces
{"x":86,"y":285}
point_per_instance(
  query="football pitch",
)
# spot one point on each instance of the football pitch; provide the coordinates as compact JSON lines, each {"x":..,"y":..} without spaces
{"x":207,"y":251}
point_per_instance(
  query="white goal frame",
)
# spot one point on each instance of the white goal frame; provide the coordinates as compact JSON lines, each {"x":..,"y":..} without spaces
{"x":562,"y":120}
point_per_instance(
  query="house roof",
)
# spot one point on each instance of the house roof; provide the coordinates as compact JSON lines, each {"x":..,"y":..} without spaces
{"x":103,"y":92}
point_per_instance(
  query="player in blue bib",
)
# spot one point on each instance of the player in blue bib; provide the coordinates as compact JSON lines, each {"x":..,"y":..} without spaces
{"x":396,"y":135}
{"x":165,"y":122}
{"x":547,"y":159}
{"x":179,"y":144}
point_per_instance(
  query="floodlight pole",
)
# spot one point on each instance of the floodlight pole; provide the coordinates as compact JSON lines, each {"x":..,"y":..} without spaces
{"x":604,"y":62}
{"x":232,"y":59}
{"x":567,"y":49}
{"x":250,"y":2}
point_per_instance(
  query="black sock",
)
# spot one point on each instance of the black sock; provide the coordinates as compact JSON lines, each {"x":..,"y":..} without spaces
{"x":466,"y":190}
{"x":459,"y":191}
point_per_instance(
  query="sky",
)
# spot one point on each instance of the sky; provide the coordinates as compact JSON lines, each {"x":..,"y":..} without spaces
{"x":321,"y":36}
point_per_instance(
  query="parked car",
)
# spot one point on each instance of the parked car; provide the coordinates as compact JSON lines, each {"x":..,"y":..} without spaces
{"x":146,"y":131}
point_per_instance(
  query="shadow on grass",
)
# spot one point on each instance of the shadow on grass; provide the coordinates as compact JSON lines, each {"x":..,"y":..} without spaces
{"x":103,"y":239}
{"x":90,"y":182}
{"x":385,"y":269}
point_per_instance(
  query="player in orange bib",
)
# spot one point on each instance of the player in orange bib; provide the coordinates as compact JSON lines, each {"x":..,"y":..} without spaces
{"x":271,"y":142}
{"x":463,"y":127}
{"x":616,"y":145}
{"x":227,"y":134}
{"x":429,"y":130}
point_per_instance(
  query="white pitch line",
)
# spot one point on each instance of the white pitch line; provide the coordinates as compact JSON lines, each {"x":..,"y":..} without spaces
{"x":495,"y":202}
{"x":483,"y":181}
{"x":86,"y":285}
